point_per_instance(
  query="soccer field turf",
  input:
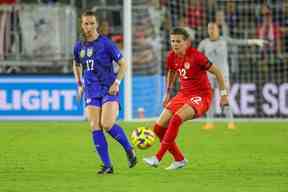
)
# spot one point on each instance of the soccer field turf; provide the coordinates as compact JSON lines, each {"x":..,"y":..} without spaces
{"x":60,"y":157}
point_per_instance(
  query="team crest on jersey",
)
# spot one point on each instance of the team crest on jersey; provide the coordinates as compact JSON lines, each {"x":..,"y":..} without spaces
{"x":82,"y":53}
{"x":186,"y":65}
{"x":89,"y":52}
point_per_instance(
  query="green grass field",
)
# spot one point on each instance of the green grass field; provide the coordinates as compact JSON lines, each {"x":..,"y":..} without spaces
{"x":60,"y":157}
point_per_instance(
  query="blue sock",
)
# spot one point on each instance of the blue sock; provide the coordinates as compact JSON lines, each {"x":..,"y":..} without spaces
{"x":101,"y":147}
{"x":119,"y":135}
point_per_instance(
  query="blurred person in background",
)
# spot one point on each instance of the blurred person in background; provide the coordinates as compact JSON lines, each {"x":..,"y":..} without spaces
{"x":195,"y":14}
{"x":194,"y":17}
{"x":6,"y":19}
{"x":232,"y":17}
{"x":210,"y":7}
{"x":145,"y":61}
{"x":93,"y":57}
{"x":118,"y":39}
{"x":228,"y":28}
{"x":284,"y":24}
{"x":104,"y":28}
{"x":269,"y":30}
{"x":216,"y":49}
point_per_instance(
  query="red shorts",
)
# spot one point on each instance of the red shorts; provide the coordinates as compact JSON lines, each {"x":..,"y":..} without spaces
{"x":200,"y":103}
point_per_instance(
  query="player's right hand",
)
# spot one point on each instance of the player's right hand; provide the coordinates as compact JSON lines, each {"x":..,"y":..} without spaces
{"x":166,"y":99}
{"x":80,"y":90}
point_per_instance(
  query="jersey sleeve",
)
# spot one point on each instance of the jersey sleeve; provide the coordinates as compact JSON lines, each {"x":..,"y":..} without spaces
{"x":203,"y":61}
{"x":76,"y":52}
{"x":114,"y":51}
{"x":170,"y":61}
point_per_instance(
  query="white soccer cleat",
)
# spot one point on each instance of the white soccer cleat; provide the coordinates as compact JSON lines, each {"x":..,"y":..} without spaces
{"x":151,"y":161}
{"x":177,"y":164}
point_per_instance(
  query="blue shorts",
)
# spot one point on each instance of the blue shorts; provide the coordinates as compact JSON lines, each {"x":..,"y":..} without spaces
{"x":99,"y":101}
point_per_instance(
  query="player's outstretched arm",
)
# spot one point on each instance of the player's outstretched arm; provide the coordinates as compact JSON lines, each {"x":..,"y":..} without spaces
{"x":220,"y":80}
{"x":114,"y":89}
{"x":258,"y":42}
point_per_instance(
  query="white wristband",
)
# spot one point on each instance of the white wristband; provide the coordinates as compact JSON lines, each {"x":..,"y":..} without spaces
{"x":118,"y":81}
{"x":223,"y":92}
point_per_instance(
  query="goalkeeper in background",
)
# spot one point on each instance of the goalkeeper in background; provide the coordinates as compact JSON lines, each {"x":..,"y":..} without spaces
{"x":215,"y":48}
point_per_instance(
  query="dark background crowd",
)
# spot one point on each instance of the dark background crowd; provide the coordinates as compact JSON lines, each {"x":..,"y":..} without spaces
{"x":151,"y":22}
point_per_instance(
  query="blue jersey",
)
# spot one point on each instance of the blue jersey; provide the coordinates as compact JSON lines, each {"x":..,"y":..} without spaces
{"x":96,"y":58}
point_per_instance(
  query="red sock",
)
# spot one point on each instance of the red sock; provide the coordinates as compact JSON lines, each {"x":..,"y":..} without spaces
{"x":173,"y":149}
{"x":176,"y":152}
{"x":170,"y":136}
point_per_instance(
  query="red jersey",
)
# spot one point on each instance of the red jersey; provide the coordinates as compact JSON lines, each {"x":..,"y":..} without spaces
{"x":191,"y":69}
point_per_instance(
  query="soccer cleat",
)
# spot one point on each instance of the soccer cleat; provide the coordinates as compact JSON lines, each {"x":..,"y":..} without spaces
{"x":208,"y":126}
{"x":177,"y":165}
{"x":231,"y":125}
{"x":132,"y":159}
{"x":151,"y":161}
{"x":105,"y":170}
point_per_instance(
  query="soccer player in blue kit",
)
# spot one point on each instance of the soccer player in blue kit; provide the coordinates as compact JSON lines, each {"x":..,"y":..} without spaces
{"x":93,"y":58}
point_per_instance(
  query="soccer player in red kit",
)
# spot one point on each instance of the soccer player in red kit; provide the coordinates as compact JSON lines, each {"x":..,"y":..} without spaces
{"x":192,"y":100}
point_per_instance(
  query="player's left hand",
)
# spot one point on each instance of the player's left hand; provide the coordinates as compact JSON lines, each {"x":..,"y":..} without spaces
{"x":224,"y":101}
{"x":114,"y":89}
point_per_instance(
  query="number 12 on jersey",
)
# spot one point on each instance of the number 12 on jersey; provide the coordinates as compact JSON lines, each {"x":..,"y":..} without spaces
{"x":183,"y":73}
